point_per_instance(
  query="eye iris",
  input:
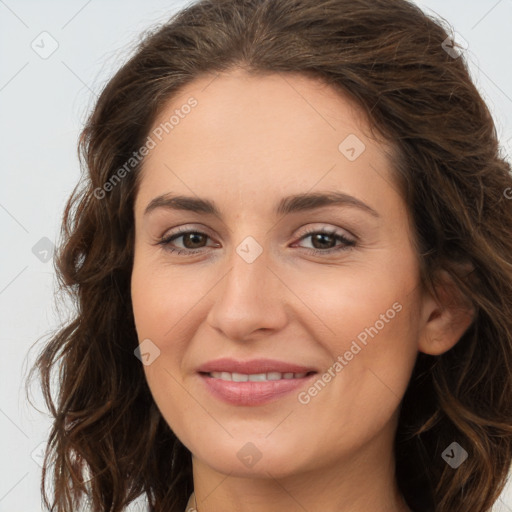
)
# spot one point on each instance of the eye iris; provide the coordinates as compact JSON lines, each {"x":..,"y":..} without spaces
{"x":189,"y":236}
{"x":321,"y":237}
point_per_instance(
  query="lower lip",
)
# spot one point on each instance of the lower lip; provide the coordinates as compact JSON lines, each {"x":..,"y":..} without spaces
{"x":252,"y":393}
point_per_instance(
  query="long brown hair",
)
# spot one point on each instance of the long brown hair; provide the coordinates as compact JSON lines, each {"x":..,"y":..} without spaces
{"x":391,"y":59}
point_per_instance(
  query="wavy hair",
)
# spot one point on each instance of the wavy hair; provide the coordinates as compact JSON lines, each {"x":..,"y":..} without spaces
{"x":388,"y":56}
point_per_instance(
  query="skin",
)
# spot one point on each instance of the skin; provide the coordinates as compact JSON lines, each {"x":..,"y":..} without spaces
{"x":250,"y":141}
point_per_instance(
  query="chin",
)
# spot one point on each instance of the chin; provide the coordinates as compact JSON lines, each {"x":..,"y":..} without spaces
{"x":243,"y":457}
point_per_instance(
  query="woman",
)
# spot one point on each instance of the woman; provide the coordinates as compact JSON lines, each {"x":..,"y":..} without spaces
{"x":291,"y":257}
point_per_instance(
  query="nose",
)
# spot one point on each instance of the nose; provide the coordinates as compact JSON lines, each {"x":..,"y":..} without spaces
{"x":250,"y":296}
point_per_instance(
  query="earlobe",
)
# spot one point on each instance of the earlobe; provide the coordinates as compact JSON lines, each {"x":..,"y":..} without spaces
{"x":444,"y":319}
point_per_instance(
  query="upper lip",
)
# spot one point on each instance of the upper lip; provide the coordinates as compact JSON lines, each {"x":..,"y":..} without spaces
{"x":252,"y":366}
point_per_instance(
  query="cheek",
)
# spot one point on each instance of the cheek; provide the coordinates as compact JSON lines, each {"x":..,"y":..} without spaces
{"x":362,"y":303}
{"x":160,"y":299}
{"x":372,"y":351}
{"x":366,"y":320}
{"x":164,"y":312}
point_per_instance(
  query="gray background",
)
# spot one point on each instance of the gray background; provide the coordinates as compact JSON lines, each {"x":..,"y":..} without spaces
{"x":43,"y":103}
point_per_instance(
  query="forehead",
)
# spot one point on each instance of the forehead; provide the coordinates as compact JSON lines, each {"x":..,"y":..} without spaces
{"x":239,"y":104}
{"x":251,"y":137}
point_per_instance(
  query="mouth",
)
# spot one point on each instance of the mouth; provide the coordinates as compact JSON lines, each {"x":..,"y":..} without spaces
{"x":256,"y":377}
{"x":254,"y":382}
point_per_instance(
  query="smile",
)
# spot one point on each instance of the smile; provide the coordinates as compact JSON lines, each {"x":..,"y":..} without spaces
{"x":255,"y":377}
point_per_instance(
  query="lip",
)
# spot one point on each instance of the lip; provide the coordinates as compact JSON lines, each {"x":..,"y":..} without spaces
{"x":252,"y":393}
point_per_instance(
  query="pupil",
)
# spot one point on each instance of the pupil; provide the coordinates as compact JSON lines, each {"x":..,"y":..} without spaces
{"x":320,"y":237}
{"x":190,"y":236}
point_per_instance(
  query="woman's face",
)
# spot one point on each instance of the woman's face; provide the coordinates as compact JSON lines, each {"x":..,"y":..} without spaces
{"x":258,"y":294}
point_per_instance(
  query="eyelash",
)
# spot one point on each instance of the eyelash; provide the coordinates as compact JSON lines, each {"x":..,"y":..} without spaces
{"x":165,"y":241}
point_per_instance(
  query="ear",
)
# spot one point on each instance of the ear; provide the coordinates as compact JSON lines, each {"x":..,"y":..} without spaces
{"x":445,"y":318}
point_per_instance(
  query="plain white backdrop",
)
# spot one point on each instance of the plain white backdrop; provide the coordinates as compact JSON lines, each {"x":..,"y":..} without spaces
{"x":55,"y":58}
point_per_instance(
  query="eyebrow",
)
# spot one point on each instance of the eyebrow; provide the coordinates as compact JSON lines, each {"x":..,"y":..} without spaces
{"x":287,"y":205}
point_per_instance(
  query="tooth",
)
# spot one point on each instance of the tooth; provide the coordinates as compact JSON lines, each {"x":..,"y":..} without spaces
{"x":257,"y":377}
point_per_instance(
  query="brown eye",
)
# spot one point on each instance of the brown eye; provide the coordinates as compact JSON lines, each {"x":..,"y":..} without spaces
{"x":192,"y":241}
{"x":324,"y":241}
